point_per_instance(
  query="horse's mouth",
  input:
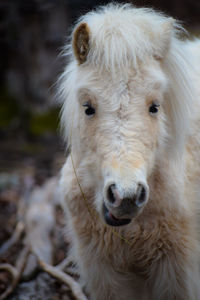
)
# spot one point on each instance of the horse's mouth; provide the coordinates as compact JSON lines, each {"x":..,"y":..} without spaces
{"x":113,"y":221}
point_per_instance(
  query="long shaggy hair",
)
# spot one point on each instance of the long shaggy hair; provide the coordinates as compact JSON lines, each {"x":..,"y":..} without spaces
{"x":119,"y":59}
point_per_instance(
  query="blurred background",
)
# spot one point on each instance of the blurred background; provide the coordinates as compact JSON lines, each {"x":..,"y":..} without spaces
{"x":32,"y":34}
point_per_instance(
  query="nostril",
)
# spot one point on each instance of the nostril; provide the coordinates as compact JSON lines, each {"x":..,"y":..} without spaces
{"x":110,"y":193}
{"x":138,"y":198}
{"x":141,"y":195}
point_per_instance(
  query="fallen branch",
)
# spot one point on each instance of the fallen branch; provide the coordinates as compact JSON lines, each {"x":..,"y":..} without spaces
{"x":16,"y":272}
{"x":68,"y":265}
{"x":13,"y":239}
{"x":9,"y":268}
{"x":37,"y":216}
{"x":64,"y":263}
{"x":39,"y":222}
{"x":65,"y":278}
{"x":31,"y":268}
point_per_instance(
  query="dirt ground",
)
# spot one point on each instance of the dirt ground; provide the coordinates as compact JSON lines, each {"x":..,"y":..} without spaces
{"x":25,"y":182}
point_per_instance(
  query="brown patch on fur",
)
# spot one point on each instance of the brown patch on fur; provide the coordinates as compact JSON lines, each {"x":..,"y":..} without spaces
{"x":133,"y":163}
{"x":163,"y":236}
{"x":137,"y":163}
{"x":169,"y":237}
{"x":115,"y":164}
{"x":81,"y":42}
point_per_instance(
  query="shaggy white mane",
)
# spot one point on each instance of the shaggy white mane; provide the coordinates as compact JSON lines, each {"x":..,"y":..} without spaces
{"x":122,"y":36}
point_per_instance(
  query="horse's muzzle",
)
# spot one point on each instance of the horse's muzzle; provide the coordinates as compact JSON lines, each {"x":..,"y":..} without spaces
{"x":113,"y":221}
{"x":118,"y":210}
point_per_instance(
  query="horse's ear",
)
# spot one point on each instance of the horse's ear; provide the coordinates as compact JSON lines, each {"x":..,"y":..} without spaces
{"x":81,"y":42}
{"x":164,"y":38}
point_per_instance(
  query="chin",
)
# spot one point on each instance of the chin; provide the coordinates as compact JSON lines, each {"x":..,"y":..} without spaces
{"x":111,"y":220}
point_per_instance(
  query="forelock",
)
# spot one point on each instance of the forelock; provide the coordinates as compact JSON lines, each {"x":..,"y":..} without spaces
{"x":122,"y":35}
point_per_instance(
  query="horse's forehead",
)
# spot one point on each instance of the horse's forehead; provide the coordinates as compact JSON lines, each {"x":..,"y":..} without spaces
{"x":106,"y":83}
{"x":122,"y":88}
{"x":125,"y":84}
{"x":124,"y":77}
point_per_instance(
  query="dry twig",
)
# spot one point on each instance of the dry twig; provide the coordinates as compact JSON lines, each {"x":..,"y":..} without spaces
{"x":65,"y":278}
{"x":39,"y":221}
{"x":64,"y":263}
{"x":68,"y":265}
{"x":13,"y":239}
{"x":16,"y":272}
{"x":9,"y":268}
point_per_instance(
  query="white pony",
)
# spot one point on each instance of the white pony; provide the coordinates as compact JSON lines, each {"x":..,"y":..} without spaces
{"x":130,"y":186}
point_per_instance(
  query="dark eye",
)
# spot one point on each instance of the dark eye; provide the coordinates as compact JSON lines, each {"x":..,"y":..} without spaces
{"x":89,"y":111}
{"x":154,"y":108}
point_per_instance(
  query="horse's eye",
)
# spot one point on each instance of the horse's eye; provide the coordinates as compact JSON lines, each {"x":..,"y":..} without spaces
{"x":89,"y":111}
{"x":154,"y":107}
